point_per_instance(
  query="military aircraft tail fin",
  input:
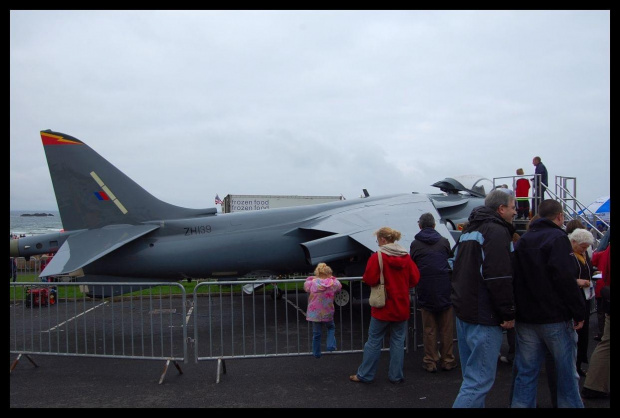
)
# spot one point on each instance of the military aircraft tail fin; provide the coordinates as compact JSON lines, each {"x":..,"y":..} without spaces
{"x":92,"y":193}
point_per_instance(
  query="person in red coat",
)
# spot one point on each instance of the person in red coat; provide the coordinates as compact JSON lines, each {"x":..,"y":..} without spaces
{"x":522,"y":193}
{"x":400,"y":275}
{"x":600,"y":259}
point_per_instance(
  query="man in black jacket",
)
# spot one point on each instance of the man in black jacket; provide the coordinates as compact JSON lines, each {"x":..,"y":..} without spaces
{"x":430,"y":252}
{"x":541,"y":181}
{"x":482,"y":294}
{"x":549,"y":309}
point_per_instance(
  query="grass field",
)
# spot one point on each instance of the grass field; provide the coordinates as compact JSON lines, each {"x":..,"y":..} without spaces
{"x":73,"y":290}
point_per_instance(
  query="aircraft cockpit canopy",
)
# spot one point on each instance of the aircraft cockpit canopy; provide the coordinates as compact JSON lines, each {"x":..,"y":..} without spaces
{"x":471,"y":184}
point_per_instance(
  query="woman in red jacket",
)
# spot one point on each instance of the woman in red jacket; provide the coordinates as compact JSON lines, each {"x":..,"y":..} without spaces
{"x":400,"y":274}
{"x":600,"y":258}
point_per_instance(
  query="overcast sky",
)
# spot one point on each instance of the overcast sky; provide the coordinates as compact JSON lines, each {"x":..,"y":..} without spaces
{"x":191,"y":104}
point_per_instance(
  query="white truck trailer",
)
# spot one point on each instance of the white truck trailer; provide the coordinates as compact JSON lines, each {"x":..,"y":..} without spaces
{"x":246,"y":202}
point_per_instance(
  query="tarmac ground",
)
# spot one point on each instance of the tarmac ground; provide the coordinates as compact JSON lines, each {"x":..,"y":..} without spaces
{"x":282,"y":382}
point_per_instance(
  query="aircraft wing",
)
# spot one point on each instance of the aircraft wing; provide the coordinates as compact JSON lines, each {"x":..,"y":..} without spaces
{"x":356,"y":225}
{"x":85,"y":247}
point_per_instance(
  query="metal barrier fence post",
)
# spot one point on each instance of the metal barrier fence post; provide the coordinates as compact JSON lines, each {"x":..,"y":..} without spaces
{"x":144,"y":321}
{"x":241,"y":319}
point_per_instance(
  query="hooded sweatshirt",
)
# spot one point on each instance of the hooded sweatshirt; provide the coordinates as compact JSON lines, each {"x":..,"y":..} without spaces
{"x":430,"y":252}
{"x":321,"y":299}
{"x":400,"y":274}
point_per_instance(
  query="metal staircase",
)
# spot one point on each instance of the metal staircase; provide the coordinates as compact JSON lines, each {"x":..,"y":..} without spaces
{"x":566,"y":193}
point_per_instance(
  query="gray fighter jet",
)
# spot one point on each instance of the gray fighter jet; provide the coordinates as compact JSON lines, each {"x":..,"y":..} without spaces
{"x":115,"y":231}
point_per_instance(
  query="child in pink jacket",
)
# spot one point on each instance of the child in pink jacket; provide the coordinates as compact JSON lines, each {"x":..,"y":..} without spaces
{"x":322,"y":288}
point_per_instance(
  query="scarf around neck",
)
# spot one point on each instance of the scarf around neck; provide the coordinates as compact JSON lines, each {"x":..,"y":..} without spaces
{"x":393,"y":249}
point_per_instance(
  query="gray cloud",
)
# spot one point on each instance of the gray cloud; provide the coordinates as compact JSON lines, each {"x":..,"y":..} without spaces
{"x":194,"y":103}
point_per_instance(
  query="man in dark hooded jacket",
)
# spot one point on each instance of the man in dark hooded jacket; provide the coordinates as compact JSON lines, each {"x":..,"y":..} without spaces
{"x":550,"y":308}
{"x":482,"y":294}
{"x":430,"y":251}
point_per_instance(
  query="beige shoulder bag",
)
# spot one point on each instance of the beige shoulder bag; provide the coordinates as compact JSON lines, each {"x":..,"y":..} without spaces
{"x":377,"y":293}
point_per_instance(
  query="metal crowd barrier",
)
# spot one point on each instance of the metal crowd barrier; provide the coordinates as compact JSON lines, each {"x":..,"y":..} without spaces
{"x":267,"y":318}
{"x":59,"y":319}
{"x":31,"y":266}
{"x":231,"y":319}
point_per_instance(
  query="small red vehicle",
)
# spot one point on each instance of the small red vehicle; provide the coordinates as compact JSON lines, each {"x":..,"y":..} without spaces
{"x":40,"y":296}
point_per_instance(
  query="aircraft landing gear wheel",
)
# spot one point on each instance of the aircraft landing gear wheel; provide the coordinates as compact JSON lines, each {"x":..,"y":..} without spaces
{"x":343,"y":297}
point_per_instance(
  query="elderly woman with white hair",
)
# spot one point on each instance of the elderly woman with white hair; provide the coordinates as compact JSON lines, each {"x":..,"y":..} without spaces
{"x":581,"y":240}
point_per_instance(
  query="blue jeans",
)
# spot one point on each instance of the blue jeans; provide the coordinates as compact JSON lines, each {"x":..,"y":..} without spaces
{"x":532,"y":341}
{"x":316,"y":337}
{"x":372,"y":350}
{"x":479,"y":346}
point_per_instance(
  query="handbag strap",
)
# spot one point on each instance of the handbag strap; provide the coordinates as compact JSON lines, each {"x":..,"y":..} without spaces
{"x":380,"y":265}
